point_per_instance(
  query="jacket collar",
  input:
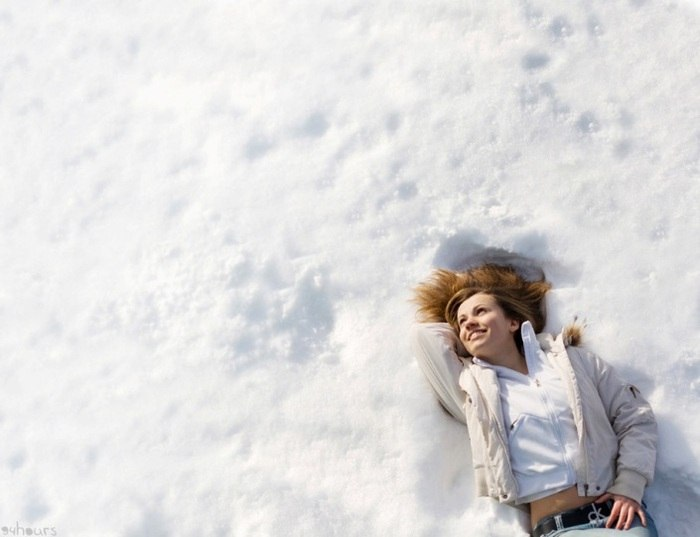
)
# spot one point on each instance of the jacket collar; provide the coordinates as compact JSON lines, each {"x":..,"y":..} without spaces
{"x":534,"y":342}
{"x":550,"y":343}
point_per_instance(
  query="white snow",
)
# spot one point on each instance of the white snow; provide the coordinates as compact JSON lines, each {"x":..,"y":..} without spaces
{"x":213,"y":212}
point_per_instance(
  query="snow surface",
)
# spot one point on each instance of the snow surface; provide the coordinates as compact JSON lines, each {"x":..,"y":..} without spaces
{"x":213,"y":212}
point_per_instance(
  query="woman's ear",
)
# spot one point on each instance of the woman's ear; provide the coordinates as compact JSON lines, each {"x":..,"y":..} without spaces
{"x":513,"y":326}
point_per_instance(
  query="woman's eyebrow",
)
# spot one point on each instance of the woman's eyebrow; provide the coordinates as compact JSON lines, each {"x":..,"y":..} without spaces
{"x":474,"y":308}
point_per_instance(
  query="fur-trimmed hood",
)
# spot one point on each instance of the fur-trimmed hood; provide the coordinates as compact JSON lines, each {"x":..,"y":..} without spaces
{"x":570,"y":336}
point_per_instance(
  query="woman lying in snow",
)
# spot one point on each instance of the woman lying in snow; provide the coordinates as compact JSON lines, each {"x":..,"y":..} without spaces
{"x":553,"y":429}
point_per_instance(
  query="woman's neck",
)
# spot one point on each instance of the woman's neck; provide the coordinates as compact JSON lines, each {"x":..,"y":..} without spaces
{"x":513,"y":359}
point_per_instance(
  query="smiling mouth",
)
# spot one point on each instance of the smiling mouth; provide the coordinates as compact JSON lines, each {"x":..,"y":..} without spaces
{"x":476,"y":333}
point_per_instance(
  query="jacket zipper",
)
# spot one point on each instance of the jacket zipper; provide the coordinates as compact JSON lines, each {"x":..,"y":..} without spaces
{"x":500,"y":426}
{"x":584,"y":447}
{"x":499,"y":429}
{"x":556,"y":428}
{"x":504,"y":445}
{"x":571,"y":377}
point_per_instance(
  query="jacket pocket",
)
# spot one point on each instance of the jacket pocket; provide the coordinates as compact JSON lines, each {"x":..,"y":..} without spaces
{"x":534,"y":446}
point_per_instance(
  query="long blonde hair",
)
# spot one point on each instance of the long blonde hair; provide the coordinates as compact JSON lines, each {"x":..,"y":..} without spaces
{"x":439,"y":297}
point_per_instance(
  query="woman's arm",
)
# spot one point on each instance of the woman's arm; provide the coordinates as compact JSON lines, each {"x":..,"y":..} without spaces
{"x":633,"y":421}
{"x":435,"y":347}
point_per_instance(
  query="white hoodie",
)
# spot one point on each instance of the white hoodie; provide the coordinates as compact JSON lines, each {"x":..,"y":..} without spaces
{"x":542,"y":436}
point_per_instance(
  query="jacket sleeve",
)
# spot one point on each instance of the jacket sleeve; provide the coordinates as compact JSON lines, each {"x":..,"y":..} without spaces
{"x":633,"y":421}
{"x":435,"y":347}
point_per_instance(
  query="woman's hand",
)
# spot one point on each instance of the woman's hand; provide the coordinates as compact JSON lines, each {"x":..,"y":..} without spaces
{"x":623,"y":511}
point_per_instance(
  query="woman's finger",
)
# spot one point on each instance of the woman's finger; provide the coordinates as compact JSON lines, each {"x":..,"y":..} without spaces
{"x":629,"y":517}
{"x":643,"y":517}
{"x":614,"y":514}
{"x":622,"y":517}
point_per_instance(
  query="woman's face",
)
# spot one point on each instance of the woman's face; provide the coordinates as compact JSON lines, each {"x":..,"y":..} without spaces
{"x":484,"y":329}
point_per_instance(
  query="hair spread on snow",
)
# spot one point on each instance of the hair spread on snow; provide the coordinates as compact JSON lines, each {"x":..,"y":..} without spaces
{"x":439,"y":297}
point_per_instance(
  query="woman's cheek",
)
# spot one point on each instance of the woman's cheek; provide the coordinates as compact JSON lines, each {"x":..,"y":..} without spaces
{"x":465,"y":342}
{"x":462,"y":338}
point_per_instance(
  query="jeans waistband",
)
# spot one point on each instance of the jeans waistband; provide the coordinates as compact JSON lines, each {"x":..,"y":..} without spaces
{"x":592,"y":512}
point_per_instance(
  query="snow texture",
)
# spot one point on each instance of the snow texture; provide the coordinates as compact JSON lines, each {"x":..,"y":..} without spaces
{"x":213,"y":213}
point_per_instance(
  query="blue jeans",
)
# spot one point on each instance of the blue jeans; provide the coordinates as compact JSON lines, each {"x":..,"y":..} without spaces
{"x":593,"y":529}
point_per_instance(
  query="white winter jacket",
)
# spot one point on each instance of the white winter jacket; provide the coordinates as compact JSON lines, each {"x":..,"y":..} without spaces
{"x":615,"y":424}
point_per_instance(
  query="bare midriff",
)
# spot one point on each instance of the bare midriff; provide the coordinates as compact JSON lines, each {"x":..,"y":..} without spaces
{"x":556,"y":503}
